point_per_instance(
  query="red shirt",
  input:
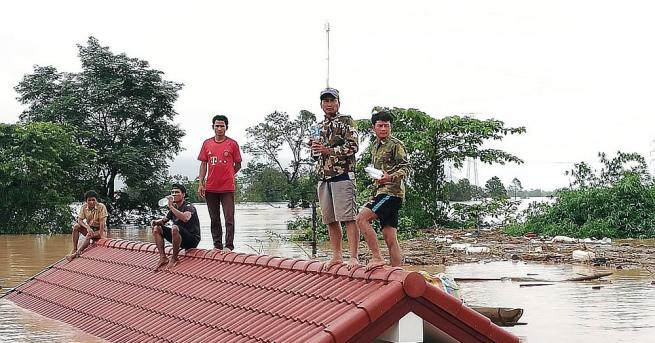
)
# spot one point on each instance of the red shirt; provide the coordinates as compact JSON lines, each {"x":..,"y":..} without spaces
{"x":220,"y":158}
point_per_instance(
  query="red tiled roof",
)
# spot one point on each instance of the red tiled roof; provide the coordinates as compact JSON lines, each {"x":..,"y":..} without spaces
{"x":112,"y":292}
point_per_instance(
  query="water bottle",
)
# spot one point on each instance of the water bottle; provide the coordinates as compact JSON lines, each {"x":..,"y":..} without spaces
{"x":315,"y":135}
{"x":164,"y":201}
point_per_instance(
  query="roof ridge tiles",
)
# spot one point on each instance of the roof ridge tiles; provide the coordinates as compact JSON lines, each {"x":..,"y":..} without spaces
{"x":282,"y":259}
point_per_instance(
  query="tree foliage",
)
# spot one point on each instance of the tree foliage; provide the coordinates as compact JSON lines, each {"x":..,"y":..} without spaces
{"x":616,"y":201}
{"x":270,"y":142}
{"x":40,"y":176}
{"x":119,"y":106}
{"x":264,"y":183}
{"x":515,"y":187}
{"x":495,"y":188}
{"x":430,"y":143}
{"x":611,"y":171}
{"x":463,"y":190}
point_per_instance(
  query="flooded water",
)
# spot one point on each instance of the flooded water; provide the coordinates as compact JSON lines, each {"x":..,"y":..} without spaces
{"x":260,"y":228}
{"x":620,"y":311}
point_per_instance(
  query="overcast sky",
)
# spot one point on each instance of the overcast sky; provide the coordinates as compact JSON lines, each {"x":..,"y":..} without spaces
{"x":579,"y":75}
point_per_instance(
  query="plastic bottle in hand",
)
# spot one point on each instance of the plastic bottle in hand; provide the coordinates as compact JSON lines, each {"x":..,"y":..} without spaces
{"x":164,"y":201}
{"x":374,"y":173}
{"x":315,"y":136}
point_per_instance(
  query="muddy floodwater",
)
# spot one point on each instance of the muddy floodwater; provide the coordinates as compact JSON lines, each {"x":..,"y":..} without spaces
{"x":622,"y":310}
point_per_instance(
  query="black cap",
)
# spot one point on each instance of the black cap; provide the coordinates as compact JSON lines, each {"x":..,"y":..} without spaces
{"x":330,"y":92}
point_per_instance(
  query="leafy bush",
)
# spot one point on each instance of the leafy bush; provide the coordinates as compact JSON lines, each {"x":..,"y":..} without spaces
{"x":618,"y":203}
{"x":303,"y":228}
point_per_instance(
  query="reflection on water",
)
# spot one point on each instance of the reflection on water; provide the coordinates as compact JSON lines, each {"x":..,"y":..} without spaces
{"x":621,"y":311}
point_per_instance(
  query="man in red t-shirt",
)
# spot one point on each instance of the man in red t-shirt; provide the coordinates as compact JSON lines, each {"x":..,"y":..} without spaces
{"x":220,"y":156}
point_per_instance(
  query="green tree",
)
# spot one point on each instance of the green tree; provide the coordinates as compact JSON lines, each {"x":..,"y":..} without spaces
{"x":430,"y":144}
{"x":264,"y":183}
{"x":119,"y":106}
{"x":270,"y":142}
{"x":42,"y":171}
{"x":462,"y":190}
{"x":616,"y":201}
{"x":477,"y":192}
{"x":495,"y":188}
{"x":515,"y":187}
{"x":612,"y":170}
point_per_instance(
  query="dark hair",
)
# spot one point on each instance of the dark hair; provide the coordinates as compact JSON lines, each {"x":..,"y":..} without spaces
{"x":381,"y":116}
{"x":90,"y":194}
{"x":180,"y":187}
{"x":221,"y":118}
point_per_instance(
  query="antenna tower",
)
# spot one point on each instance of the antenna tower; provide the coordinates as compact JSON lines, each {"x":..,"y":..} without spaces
{"x":327,"y":34}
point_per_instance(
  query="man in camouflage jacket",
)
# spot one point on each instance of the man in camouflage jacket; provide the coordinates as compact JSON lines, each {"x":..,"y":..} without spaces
{"x":334,"y":151}
{"x":388,"y":155}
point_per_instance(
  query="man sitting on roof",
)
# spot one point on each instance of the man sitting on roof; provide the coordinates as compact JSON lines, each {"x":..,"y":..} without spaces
{"x":95,"y":215}
{"x":185,"y":232}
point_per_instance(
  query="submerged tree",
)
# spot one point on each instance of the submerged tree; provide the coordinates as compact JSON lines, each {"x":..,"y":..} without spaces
{"x":273,"y":141}
{"x":515,"y":187}
{"x":495,"y":188}
{"x":119,"y":107}
{"x":40,"y":176}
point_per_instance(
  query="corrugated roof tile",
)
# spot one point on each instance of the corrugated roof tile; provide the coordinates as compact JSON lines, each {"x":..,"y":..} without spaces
{"x":111,"y":291}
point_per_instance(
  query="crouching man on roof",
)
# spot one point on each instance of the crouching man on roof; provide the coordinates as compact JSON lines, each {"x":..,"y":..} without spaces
{"x":185,"y":231}
{"x":91,"y":222}
{"x":387,"y":154}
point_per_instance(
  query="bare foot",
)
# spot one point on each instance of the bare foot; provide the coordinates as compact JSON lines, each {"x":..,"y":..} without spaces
{"x":172,"y":263}
{"x":375,"y":263}
{"x":220,"y":251}
{"x":330,"y":263}
{"x":352,"y":263}
{"x":227,"y":250}
{"x":162,"y":262}
{"x":72,"y":256}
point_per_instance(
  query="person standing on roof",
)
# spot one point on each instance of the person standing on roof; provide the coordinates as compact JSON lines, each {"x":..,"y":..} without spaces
{"x":388,"y":154}
{"x":185,"y":231}
{"x":91,"y":222}
{"x":220,"y":160}
{"x":334,"y":151}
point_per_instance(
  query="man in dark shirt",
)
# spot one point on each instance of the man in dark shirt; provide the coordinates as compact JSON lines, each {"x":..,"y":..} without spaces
{"x":185,"y":231}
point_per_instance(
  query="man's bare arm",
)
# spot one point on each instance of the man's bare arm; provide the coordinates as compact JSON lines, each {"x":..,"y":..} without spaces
{"x":201,"y":178}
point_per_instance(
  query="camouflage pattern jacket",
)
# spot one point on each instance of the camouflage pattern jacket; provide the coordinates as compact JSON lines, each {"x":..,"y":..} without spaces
{"x":340,"y":136}
{"x":390,"y":156}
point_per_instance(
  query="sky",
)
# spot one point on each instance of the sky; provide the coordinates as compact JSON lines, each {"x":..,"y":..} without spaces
{"x":579,"y":75}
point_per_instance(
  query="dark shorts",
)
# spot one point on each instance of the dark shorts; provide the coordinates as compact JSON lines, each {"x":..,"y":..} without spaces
{"x":386,"y":207}
{"x":189,"y":241}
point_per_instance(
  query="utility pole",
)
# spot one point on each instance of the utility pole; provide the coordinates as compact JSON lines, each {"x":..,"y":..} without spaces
{"x":327,"y":34}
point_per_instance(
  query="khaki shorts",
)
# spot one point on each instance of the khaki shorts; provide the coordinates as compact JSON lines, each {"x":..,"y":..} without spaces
{"x":337,"y":201}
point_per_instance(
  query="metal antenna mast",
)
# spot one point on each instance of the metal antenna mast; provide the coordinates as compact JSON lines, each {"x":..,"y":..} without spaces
{"x":327,"y":33}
